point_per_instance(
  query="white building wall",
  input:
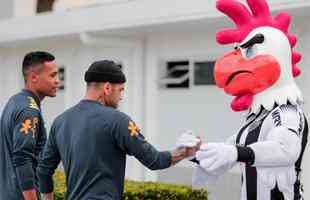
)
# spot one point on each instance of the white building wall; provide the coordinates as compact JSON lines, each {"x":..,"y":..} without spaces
{"x":163,"y":114}
{"x":24,"y":8}
{"x":6,"y":9}
{"x":10,"y":74}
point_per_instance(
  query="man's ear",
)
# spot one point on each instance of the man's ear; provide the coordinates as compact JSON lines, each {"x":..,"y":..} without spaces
{"x":32,"y":77}
{"x":107,"y":88}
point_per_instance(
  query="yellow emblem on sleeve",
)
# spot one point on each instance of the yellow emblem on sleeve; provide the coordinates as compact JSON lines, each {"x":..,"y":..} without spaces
{"x":35,"y":122}
{"x":29,"y":125}
{"x":32,"y":103}
{"x":133,"y":128}
{"x":26,"y":126}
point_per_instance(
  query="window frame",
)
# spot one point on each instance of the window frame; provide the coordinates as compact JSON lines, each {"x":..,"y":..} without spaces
{"x":192,"y":60}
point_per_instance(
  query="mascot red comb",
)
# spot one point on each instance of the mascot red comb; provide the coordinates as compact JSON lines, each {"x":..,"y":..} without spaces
{"x":259,"y":73}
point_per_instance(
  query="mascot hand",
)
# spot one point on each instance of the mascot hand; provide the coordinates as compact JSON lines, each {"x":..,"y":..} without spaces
{"x":187,"y":139}
{"x":188,"y":143}
{"x":213,"y":156}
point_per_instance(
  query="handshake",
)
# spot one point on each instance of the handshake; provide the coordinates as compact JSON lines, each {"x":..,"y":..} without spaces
{"x":186,"y":146}
{"x":210,"y":156}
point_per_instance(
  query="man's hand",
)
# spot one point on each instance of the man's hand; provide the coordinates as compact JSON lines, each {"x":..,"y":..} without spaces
{"x":48,"y":196}
{"x":215,"y":155}
{"x":30,"y":194}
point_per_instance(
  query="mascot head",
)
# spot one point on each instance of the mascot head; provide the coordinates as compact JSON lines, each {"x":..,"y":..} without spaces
{"x":260,"y":70}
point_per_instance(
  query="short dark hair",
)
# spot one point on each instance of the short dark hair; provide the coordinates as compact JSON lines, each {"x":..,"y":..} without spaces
{"x":35,"y":58}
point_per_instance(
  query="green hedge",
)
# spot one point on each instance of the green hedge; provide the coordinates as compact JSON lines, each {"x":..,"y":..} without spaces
{"x":142,"y":191}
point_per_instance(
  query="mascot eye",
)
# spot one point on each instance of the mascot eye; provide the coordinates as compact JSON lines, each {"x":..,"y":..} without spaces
{"x":249,"y":52}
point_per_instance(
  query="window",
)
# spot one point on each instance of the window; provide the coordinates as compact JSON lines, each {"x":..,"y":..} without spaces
{"x":203,"y":73}
{"x":177,"y":75}
{"x":188,"y":73}
{"x":61,"y":76}
{"x":45,"y":5}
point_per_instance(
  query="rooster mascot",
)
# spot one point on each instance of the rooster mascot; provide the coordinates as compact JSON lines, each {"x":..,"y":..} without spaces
{"x":259,"y":73}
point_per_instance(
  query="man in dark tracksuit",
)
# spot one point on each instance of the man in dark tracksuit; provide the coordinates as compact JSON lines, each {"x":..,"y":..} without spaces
{"x":92,"y":139}
{"x":22,"y":132}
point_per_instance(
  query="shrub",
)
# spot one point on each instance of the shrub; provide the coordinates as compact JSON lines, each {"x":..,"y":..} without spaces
{"x":141,"y":190}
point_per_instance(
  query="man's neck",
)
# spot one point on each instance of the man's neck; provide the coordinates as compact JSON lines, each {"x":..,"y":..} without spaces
{"x":93,"y":97}
{"x":40,"y":97}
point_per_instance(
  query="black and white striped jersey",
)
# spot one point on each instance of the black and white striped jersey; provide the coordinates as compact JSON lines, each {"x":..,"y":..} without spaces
{"x":278,"y":139}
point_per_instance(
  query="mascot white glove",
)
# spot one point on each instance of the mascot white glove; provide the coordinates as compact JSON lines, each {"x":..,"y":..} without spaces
{"x":188,"y":143}
{"x":213,"y":156}
{"x":187,"y":139}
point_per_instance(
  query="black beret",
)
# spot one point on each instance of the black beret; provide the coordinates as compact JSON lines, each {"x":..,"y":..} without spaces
{"x":105,"y":71}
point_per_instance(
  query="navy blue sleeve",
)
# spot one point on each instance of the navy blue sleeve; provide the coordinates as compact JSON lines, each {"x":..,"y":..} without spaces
{"x":48,"y":162}
{"x":41,"y":140}
{"x":24,"y":142}
{"x":128,"y":137}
